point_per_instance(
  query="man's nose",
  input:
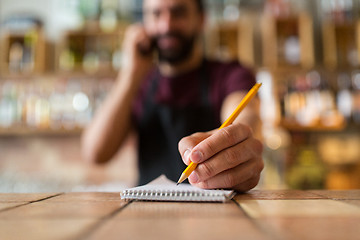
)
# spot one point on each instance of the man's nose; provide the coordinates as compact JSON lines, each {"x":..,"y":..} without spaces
{"x":166,"y":23}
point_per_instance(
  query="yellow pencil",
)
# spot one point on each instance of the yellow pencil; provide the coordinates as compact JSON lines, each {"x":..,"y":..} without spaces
{"x":228,"y":121}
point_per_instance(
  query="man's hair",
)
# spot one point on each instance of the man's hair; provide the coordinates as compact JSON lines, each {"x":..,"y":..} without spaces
{"x":200,"y":5}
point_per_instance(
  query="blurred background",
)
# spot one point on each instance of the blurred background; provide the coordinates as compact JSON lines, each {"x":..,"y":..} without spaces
{"x":59,"y":58}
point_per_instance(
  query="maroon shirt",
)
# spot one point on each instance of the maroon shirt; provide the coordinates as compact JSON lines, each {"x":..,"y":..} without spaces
{"x":183,"y":90}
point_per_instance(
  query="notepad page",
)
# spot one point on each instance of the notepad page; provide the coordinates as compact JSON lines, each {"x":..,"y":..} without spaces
{"x":163,"y":189}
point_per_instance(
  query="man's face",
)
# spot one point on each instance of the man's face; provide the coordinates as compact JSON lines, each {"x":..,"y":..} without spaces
{"x":173,"y":26}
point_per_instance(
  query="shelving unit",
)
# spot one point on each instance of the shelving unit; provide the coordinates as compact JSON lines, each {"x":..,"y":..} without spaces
{"x":90,"y":52}
{"x":304,"y":159}
{"x":23,"y":53}
{"x":50,"y":105}
{"x":287,"y":42}
{"x":232,"y":40}
{"x":29,"y":96}
{"x":341,"y":44}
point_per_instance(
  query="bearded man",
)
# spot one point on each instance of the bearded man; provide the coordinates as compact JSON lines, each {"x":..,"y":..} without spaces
{"x":176,"y":101}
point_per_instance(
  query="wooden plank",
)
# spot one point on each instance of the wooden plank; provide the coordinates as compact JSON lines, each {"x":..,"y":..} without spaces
{"x":7,"y":205}
{"x":43,"y":229}
{"x":12,"y":200}
{"x":353,"y":202}
{"x":329,"y":228}
{"x":298,"y":208}
{"x":87,"y":197}
{"x":65,"y":209}
{"x":68,"y":216}
{"x":339,"y":194}
{"x":166,"y":220}
{"x":183,"y":228}
{"x":157,"y":210}
{"x":277,"y":194}
{"x":24,"y":197}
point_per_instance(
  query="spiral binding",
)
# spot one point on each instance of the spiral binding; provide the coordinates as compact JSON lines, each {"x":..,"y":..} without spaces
{"x":171,"y":195}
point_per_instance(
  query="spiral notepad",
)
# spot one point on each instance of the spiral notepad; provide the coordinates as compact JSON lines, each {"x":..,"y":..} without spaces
{"x":162,"y":189}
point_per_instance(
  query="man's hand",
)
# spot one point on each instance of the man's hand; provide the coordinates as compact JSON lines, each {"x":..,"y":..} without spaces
{"x":227,"y":158}
{"x":137,"y":51}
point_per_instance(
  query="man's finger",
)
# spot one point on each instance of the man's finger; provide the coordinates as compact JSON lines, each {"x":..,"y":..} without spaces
{"x":235,"y":177}
{"x":220,"y":140}
{"x":186,"y":144}
{"x":224,"y":160}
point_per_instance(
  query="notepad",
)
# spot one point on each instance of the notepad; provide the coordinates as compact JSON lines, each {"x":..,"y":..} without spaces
{"x":163,"y":189}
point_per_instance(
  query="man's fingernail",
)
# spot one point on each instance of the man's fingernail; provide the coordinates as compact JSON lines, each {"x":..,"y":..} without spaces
{"x":186,"y":156}
{"x":193,"y":178}
{"x":196,"y":156}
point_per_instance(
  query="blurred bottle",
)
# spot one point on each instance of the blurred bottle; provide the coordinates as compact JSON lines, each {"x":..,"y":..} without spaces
{"x":42,"y":109}
{"x":67,"y":60}
{"x":311,"y":102}
{"x":339,"y":18}
{"x":16,"y":52}
{"x":22,"y":35}
{"x":30,"y":40}
{"x":109,"y":15}
{"x":58,"y":104}
{"x":278,"y":8}
{"x":56,"y":101}
{"x":356,"y":97}
{"x":8,"y":105}
{"x":308,"y":172}
{"x":215,"y":10}
{"x":89,"y":10}
{"x":287,"y":27}
{"x":338,"y":11}
{"x":344,"y":95}
{"x":231,"y":10}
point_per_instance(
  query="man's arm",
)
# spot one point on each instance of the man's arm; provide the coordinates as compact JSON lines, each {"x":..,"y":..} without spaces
{"x":112,"y":122}
{"x":230,"y":157}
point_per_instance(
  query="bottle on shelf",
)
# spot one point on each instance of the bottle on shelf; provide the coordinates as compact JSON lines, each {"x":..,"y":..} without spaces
{"x":108,"y":19}
{"x":310,"y":102}
{"x":287,"y":35}
{"x":340,"y":33}
{"x":344,"y":95}
{"x":308,"y":171}
{"x":356,"y":97}
{"x":62,"y":104}
{"x":23,"y":45}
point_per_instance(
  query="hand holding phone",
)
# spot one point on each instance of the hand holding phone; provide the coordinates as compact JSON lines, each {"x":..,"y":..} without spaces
{"x":146,"y":49}
{"x":137,"y":51}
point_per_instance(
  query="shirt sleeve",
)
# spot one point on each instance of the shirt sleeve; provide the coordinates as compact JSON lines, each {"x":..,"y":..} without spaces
{"x":226,"y":79}
{"x":238,"y":78}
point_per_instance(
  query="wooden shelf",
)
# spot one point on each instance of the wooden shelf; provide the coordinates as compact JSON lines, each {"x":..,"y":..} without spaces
{"x":276,"y":33}
{"x":232,"y":40}
{"x":89,"y":52}
{"x":341,"y":44}
{"x":23,"y":53}
{"x":27,"y":131}
{"x":296,"y":127}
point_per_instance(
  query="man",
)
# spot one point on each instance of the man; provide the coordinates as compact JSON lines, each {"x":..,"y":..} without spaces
{"x":182,"y":95}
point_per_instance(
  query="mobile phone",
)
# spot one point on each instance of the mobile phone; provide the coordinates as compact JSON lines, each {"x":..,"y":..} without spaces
{"x":148,"y":50}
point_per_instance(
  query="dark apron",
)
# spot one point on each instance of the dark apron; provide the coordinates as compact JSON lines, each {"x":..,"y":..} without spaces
{"x":162,"y":126}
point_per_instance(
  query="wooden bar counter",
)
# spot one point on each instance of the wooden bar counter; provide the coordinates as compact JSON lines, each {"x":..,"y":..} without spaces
{"x":259,"y":214}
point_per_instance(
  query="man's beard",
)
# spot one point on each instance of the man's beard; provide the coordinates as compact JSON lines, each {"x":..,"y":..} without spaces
{"x":175,"y":55}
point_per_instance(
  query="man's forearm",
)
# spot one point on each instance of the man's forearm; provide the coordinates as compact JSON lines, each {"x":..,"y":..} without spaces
{"x":111,"y":124}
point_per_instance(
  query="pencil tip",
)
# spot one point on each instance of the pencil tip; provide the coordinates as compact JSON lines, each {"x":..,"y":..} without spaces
{"x":177,"y":183}
{"x":182,"y":178}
